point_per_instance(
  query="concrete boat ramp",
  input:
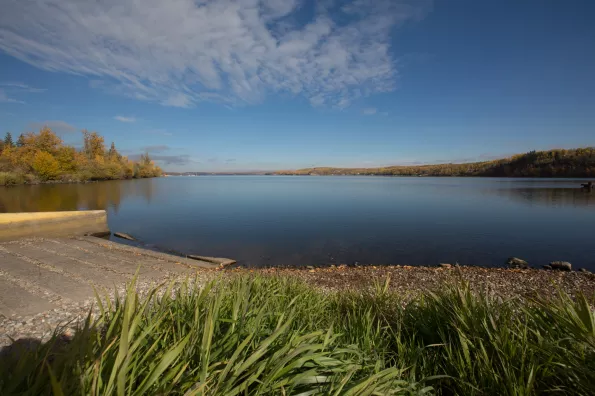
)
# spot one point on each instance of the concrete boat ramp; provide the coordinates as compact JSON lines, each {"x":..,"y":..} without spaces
{"x":40,"y":274}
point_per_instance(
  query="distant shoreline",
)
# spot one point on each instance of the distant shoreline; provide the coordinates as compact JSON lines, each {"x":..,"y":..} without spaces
{"x":388,"y":176}
{"x":558,"y":163}
{"x":578,"y":163}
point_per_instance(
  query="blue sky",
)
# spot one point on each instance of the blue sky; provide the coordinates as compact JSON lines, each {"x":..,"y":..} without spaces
{"x":277,"y":84}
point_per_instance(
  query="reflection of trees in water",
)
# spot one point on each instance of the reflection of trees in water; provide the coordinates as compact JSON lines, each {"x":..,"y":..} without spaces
{"x":56,"y":197}
{"x":142,"y":188}
{"x":571,"y":197}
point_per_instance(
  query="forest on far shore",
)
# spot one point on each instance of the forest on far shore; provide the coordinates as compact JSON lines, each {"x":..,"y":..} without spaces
{"x":579,"y":162}
{"x":43,"y":157}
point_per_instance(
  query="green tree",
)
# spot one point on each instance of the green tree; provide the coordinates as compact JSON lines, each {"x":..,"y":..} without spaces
{"x":8,"y":140}
{"x":113,"y":154}
{"x":21,"y":140}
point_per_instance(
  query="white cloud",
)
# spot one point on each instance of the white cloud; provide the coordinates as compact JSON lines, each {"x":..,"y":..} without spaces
{"x":183,"y":52}
{"x":369,"y":111}
{"x":178,"y":100}
{"x":125,"y":119}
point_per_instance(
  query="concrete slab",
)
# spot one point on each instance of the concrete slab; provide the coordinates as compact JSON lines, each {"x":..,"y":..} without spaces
{"x":94,"y":256}
{"x":70,"y":267}
{"x":148,"y":253}
{"x":18,"y":301}
{"x":38,"y":273}
{"x":41,"y":278}
{"x":115,"y":259}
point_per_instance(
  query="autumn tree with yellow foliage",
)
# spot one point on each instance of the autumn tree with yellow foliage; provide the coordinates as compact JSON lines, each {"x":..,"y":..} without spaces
{"x":43,"y":157}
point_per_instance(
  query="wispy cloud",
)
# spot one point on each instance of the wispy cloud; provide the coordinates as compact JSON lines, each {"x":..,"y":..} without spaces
{"x":167,"y":159}
{"x":182,"y":52}
{"x":4,"y":98}
{"x":161,"y":132}
{"x":156,"y":149}
{"x":369,"y":111}
{"x":17,"y":86}
{"x":58,"y":126}
{"x":9,"y":91}
{"x":125,"y":119}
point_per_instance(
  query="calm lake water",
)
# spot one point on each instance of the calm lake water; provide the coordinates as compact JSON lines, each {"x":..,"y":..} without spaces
{"x":285,"y":220}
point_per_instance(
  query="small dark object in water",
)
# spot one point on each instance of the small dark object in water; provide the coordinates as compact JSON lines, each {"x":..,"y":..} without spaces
{"x":561,"y":265}
{"x":588,"y":186}
{"x":124,"y":236}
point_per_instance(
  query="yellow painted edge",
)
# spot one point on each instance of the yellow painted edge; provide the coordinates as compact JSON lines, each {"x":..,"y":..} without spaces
{"x":6,"y":218}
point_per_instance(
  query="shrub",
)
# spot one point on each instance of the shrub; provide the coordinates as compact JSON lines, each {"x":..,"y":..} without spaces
{"x":81,"y":176}
{"x":113,"y":171}
{"x":46,"y":166}
{"x":10,"y":179}
{"x":66,"y":157}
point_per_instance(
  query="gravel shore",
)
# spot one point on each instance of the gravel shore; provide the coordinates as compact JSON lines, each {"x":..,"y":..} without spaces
{"x":41,"y":326}
{"x":408,"y":280}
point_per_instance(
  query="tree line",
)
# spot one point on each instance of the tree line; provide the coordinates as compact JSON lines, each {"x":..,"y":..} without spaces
{"x":43,"y":157}
{"x":578,"y":162}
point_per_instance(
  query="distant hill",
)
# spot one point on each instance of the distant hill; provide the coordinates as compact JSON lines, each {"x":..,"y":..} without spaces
{"x":578,"y":162}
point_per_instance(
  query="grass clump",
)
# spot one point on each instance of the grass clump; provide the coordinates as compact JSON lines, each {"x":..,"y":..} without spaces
{"x":10,"y":179}
{"x":278,"y":336}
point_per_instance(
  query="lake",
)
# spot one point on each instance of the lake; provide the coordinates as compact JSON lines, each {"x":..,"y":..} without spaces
{"x":292,"y":220}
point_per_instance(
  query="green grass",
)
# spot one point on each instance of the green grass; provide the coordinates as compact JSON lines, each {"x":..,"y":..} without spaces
{"x":278,"y":336}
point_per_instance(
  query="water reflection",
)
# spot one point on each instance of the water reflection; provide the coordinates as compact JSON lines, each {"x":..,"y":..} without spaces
{"x":58,"y":197}
{"x":549,"y":197}
{"x":111,"y":194}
